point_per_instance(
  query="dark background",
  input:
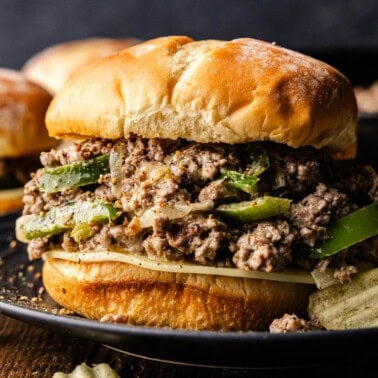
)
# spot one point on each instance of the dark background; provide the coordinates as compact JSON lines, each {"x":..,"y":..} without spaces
{"x":342,"y":32}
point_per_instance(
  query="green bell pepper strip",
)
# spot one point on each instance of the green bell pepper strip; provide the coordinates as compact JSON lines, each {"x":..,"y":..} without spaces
{"x":56,"y":179}
{"x":258,"y":209}
{"x":82,"y":231}
{"x":66,"y":217}
{"x":259,"y":161}
{"x":247,"y":181}
{"x":347,"y":231}
{"x":237,"y":180}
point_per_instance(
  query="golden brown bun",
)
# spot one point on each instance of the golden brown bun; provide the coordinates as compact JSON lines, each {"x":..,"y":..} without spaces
{"x":23,"y":106}
{"x":11,"y":200}
{"x":52,"y":66}
{"x":121,"y":292}
{"x":208,"y":91}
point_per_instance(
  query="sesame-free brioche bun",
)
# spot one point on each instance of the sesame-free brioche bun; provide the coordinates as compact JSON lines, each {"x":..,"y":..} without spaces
{"x":23,"y":106}
{"x":208,"y":91}
{"x":117,"y":291}
{"x":52,"y":66}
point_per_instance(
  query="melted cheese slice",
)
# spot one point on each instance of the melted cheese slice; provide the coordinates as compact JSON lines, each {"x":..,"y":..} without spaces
{"x":292,"y":275}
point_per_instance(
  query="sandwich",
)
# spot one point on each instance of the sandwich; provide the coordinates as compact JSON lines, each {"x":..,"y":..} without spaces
{"x":23,"y":135}
{"x":203,"y":188}
{"x":52,"y":66}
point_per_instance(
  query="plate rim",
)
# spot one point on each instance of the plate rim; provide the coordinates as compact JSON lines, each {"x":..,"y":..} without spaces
{"x":131,"y":338}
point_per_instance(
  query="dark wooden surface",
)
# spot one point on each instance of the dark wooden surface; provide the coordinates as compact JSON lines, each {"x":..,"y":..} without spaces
{"x":31,"y":351}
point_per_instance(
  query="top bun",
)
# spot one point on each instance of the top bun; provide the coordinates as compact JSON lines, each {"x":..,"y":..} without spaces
{"x":208,"y":91}
{"x":23,"y":106}
{"x":52,"y":66}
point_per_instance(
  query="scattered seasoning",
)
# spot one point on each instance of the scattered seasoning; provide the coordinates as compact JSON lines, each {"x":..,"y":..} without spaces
{"x":13,"y":244}
{"x":65,"y":311}
{"x":30,"y":268}
{"x":11,"y":279}
{"x":30,"y":285}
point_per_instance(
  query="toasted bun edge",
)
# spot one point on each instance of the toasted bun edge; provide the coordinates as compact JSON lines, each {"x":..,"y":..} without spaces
{"x":114,"y":291}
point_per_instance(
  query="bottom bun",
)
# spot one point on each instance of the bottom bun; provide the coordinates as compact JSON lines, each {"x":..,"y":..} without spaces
{"x":116,"y":291}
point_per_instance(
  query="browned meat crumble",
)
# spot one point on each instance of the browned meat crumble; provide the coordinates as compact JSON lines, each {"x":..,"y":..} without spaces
{"x":292,"y":323}
{"x":165,"y":173}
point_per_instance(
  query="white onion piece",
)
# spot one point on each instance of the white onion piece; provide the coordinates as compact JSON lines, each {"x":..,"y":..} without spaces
{"x":292,"y":275}
{"x":20,"y":234}
{"x":116,"y":157}
{"x":154,"y":171}
{"x":196,"y":206}
{"x":180,"y":210}
{"x":324,"y":278}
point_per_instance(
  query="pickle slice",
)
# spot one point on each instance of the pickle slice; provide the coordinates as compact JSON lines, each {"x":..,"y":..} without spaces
{"x":350,"y":305}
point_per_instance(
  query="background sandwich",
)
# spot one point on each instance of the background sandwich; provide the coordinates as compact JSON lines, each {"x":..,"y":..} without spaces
{"x":52,"y":66}
{"x":23,"y":134}
{"x":202,"y":191}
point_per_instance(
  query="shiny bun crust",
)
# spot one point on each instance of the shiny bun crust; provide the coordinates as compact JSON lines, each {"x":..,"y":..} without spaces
{"x":52,"y":66}
{"x":208,"y":91}
{"x":23,"y":106}
{"x":115,"y":291}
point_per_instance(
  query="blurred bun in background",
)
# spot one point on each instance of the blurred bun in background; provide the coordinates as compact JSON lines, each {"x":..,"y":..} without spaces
{"x":52,"y":66}
{"x":23,"y":135}
{"x":367,"y":98}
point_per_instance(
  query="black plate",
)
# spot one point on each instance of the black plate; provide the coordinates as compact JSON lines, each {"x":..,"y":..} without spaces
{"x":21,"y":297}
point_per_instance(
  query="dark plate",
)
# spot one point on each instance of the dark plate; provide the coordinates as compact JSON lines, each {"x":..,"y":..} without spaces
{"x":21,"y":297}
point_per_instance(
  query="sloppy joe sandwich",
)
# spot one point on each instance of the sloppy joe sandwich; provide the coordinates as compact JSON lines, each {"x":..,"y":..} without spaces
{"x":203,"y":189}
{"x":52,"y":66}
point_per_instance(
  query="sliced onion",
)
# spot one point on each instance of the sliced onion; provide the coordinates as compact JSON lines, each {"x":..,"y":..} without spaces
{"x":20,"y":221}
{"x":324,"y":278}
{"x":292,"y":275}
{"x":116,"y":157}
{"x":180,"y":210}
{"x":154,"y":171}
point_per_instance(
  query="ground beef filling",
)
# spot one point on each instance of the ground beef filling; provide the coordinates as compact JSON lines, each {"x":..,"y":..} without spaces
{"x":158,"y":174}
{"x":292,"y":323}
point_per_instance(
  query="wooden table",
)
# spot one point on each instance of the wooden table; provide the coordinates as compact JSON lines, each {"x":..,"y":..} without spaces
{"x":31,"y":351}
